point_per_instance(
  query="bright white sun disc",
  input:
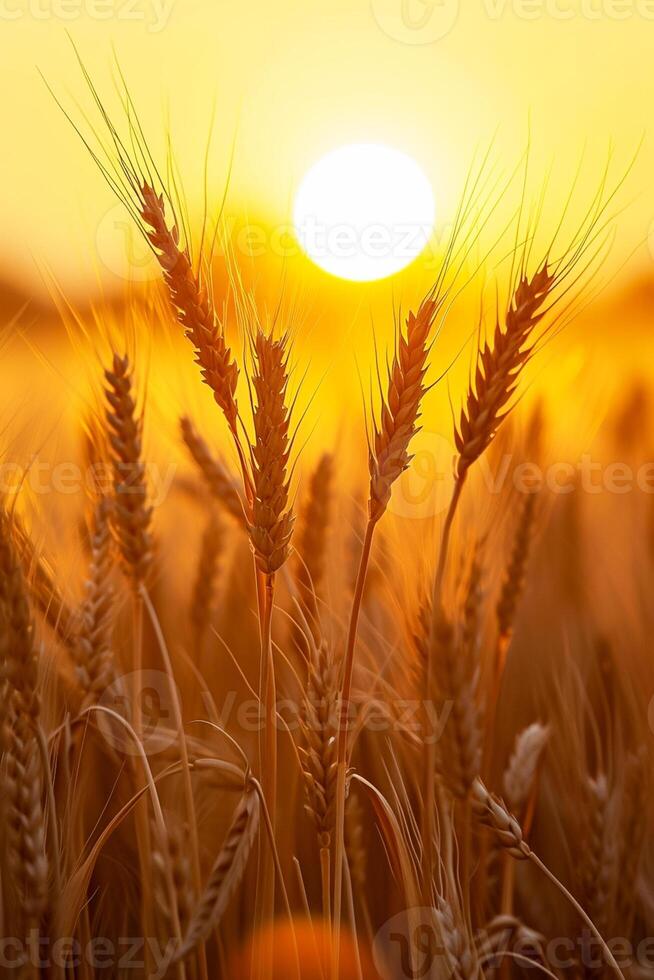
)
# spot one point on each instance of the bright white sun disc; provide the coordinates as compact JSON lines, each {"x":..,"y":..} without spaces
{"x":364,"y":211}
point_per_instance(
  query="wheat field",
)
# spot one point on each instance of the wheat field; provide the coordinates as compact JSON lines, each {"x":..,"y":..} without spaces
{"x":266,"y":713}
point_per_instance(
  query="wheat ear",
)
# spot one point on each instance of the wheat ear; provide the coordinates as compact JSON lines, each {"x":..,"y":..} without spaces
{"x":314,"y":529}
{"x":216,"y":476}
{"x":26,"y":826}
{"x":318,"y":753}
{"x":131,"y":513}
{"x":516,"y":571}
{"x":93,"y":648}
{"x":193,"y":306}
{"x":204,"y":585}
{"x":498,"y":368}
{"x":270,"y":520}
{"x":492,"y":812}
{"x":520,"y":773}
{"x":225,"y":874}
{"x":389,"y":453}
{"x":18,"y":652}
{"x":459,"y":748}
{"x":388,"y":458}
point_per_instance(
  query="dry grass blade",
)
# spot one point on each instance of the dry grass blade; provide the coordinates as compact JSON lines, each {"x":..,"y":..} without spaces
{"x":400,"y":411}
{"x":226,"y":873}
{"x":131,"y":514}
{"x":499,"y":365}
{"x":193,"y":306}
{"x":270,"y":519}
{"x":216,"y":476}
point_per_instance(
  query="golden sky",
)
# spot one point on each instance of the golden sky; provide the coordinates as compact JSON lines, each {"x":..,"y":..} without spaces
{"x":291,"y":79}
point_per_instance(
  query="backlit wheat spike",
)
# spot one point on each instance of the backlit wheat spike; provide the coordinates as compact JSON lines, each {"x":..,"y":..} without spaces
{"x":400,"y":411}
{"x":318,"y":753}
{"x":18,"y":652}
{"x":515,"y":575}
{"x":93,"y":650}
{"x":498,"y":368}
{"x":271,"y":518}
{"x":131,"y":514}
{"x":491,"y":811}
{"x":523,"y":765}
{"x":193,"y":305}
{"x":25,"y":819}
{"x":226,"y":873}
{"x":217,"y":478}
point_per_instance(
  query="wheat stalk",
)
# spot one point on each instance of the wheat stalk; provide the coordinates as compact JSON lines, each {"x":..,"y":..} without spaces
{"x":388,"y":458}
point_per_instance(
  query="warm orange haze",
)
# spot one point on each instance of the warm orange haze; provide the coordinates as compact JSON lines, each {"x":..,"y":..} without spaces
{"x":327,"y":490}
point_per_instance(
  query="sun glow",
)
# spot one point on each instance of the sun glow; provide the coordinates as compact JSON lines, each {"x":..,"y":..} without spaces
{"x":364,"y":211}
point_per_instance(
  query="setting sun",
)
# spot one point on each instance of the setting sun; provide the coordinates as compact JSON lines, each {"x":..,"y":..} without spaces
{"x":364,"y":212}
